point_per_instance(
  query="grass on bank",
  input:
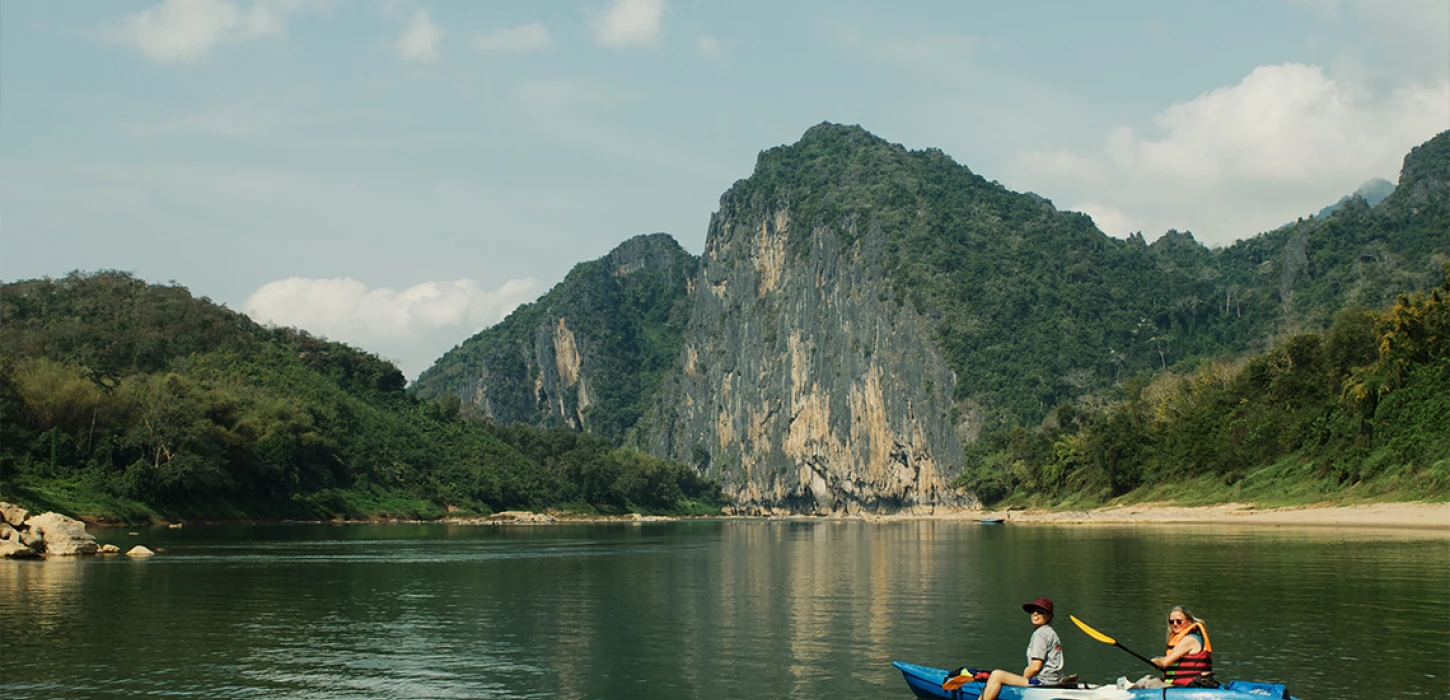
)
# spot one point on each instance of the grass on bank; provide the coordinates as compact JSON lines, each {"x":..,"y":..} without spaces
{"x":88,"y":499}
{"x":1290,"y":482}
{"x":85,"y":498}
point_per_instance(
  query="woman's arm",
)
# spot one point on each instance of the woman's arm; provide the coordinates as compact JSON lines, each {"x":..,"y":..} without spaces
{"x":1033,"y":668}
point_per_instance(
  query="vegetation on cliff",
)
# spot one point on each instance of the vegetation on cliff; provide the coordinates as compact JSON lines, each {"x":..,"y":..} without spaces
{"x":124,"y":399}
{"x":1083,"y":366}
{"x":1035,"y":307}
{"x":1359,"y":410}
{"x":1051,"y":329}
{"x":625,"y":316}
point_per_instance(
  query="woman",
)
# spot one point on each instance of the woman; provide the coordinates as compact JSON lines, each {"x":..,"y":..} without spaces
{"x":1044,"y":654}
{"x":1189,"y":659}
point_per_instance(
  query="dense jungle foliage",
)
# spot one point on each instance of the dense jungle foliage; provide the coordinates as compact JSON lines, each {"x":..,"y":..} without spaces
{"x":629,"y":325}
{"x":1068,"y":343}
{"x":127,"y":400}
{"x":1035,"y":307}
{"x":1362,"y":408}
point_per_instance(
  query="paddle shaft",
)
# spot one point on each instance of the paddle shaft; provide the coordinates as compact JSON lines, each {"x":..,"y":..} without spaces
{"x":1085,"y":627}
{"x":1144,"y":659}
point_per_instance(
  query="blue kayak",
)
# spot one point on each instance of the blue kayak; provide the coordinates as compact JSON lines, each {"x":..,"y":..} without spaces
{"x":926,"y":682}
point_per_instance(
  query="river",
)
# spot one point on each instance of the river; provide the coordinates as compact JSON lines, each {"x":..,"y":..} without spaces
{"x":708,"y":608}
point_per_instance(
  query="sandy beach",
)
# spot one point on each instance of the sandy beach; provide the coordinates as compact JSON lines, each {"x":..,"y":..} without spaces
{"x":1413,"y":516}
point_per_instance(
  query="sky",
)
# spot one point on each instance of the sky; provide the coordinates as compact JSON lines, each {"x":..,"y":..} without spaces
{"x":399,"y":175}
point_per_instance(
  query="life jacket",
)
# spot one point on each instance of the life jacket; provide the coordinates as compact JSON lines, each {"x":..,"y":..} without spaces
{"x":1191,"y":666}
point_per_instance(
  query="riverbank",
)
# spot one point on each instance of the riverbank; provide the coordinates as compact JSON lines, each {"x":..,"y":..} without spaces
{"x":1414,"y":516}
{"x":1401,"y":515}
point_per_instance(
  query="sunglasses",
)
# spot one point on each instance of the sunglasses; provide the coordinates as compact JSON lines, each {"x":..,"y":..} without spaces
{"x":1176,"y":623}
{"x":1039,"y":611}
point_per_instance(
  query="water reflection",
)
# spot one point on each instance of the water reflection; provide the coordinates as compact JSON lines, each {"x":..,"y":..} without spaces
{"x":729,"y":609}
{"x":48,"y":590}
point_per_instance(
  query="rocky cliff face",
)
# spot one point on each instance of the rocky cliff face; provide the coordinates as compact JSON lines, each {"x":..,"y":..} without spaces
{"x":862,"y":311}
{"x":589,"y":354}
{"x":1425,"y":176}
{"x":805,"y":383}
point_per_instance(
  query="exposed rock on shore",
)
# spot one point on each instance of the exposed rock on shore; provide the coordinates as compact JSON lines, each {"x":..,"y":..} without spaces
{"x":23,"y":536}
{"x":519,"y":516}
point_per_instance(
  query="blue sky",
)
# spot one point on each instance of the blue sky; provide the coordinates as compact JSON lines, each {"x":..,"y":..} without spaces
{"x":399,"y":175}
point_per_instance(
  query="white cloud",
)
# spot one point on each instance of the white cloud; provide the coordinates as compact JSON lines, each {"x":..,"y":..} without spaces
{"x":1242,"y":159}
{"x":1409,"y":35}
{"x":1414,"y":32}
{"x":413,"y":327}
{"x":528,"y":37}
{"x":1109,"y":220}
{"x":269,"y":17}
{"x":628,"y":23}
{"x":420,"y":39}
{"x":1060,"y":162}
{"x":709,"y":48}
{"x":182,"y":30}
{"x":177,"y":30}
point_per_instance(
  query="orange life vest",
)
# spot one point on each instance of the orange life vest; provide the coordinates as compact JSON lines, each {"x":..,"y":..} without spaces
{"x":1191,"y":666}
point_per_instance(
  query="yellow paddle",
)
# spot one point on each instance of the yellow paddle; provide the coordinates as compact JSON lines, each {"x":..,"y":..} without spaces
{"x":1105,"y":639}
{"x":959,"y":678}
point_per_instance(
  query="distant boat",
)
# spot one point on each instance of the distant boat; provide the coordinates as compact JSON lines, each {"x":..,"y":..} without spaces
{"x":993,"y":521}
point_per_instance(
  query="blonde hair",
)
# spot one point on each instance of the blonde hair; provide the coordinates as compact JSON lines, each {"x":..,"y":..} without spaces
{"x":1187,"y":614}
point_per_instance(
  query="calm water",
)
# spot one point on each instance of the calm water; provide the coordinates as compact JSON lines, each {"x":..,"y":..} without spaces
{"x":707,"y":609}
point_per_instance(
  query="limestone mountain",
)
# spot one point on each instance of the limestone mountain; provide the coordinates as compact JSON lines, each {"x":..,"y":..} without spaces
{"x":1372,"y":192}
{"x":588,"y":354}
{"x":862,"y":311}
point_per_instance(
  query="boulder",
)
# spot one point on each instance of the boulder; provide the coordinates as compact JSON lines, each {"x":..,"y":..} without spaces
{"x":110,"y":549}
{"x":63,"y":536}
{"x":139,"y":551}
{"x":12,"y":514}
{"x":8,"y":533}
{"x":10,"y":549}
{"x":31,"y":539}
{"x":521,"y":516}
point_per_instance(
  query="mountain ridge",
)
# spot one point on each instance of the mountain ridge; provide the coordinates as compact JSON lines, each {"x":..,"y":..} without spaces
{"x":1010,"y":308}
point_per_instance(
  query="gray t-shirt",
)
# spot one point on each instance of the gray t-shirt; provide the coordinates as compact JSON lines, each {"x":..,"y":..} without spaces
{"x":1046,"y":646}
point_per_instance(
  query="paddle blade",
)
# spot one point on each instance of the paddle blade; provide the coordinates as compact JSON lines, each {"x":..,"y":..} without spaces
{"x":956,"y":681}
{"x":1105,"y":639}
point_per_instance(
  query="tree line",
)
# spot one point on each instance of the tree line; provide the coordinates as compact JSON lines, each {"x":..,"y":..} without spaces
{"x":129,"y":400}
{"x":1363,"y":406}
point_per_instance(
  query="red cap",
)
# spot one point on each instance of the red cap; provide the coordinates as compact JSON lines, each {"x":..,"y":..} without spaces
{"x":1043,"y":603}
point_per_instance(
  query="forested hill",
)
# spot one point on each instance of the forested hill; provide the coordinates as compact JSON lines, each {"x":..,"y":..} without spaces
{"x":862,"y":311}
{"x":1035,"y":307}
{"x":1360,"y":410}
{"x":589,"y":354}
{"x":124,"y":399}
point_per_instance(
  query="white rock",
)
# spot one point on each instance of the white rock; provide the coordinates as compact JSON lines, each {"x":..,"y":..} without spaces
{"x":14,"y":550}
{"x":8,"y":533}
{"x":63,"y":536}
{"x":139,"y":551}
{"x":13,"y":514}
{"x":31,"y":540}
{"x":110,"y":549}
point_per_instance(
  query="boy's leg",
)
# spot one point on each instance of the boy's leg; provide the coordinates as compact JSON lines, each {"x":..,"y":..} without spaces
{"x":998,"y":679}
